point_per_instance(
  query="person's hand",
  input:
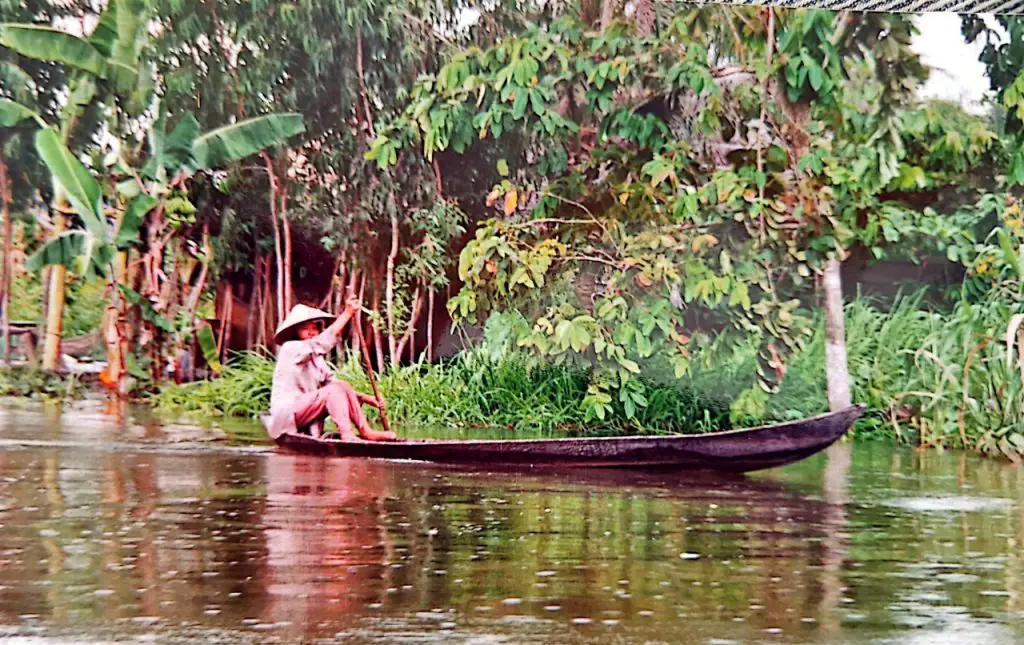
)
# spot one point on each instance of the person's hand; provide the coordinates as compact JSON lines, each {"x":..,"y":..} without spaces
{"x":382,"y":405}
{"x":353,"y":305}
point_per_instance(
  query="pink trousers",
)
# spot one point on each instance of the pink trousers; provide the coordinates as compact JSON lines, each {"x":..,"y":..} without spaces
{"x":338,"y":400}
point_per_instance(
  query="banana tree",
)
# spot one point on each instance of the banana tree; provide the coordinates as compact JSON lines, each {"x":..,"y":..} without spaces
{"x":106,"y":63}
{"x":146,"y":199}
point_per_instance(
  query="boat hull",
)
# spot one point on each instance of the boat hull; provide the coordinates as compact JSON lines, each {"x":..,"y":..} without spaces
{"x":730,"y":451}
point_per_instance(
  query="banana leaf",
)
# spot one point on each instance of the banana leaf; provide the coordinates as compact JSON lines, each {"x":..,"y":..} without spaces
{"x":11,"y":113}
{"x":46,"y":43}
{"x":239,"y":140}
{"x":81,"y":190}
{"x":208,"y":345}
{"x":76,"y":250}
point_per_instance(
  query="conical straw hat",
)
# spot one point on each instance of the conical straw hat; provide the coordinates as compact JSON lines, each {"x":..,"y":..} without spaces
{"x":298,"y":315}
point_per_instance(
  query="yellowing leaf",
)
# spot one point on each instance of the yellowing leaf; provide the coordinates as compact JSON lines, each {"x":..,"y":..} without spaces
{"x":511,"y":200}
{"x":704,"y":240}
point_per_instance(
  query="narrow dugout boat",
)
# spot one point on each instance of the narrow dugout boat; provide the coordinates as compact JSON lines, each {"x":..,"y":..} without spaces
{"x":742,"y":450}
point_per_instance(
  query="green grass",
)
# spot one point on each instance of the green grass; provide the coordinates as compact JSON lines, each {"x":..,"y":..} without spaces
{"x":471,"y":391}
{"x":32,"y":383}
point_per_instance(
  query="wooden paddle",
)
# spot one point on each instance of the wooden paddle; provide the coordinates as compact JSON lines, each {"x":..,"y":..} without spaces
{"x":369,"y":372}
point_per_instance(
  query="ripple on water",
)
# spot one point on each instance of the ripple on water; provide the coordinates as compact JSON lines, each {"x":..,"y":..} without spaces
{"x":944,"y":504}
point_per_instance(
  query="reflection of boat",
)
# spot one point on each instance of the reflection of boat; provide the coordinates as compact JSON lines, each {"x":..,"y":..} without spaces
{"x":733,"y":451}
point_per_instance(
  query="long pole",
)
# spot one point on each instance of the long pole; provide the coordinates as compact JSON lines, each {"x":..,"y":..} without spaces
{"x":369,"y":372}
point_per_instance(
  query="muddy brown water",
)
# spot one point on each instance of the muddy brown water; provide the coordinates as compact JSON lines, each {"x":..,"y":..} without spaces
{"x":117,"y":528}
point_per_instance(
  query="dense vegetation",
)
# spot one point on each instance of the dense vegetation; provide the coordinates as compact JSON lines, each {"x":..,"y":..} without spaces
{"x":647,"y":207}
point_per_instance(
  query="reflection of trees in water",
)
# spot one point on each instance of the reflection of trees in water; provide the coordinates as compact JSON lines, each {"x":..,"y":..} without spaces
{"x":613,"y":544}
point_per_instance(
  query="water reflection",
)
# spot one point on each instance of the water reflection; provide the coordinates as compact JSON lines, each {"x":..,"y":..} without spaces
{"x":865,"y":544}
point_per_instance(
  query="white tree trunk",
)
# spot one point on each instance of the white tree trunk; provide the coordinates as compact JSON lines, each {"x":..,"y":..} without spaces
{"x":836,"y":371}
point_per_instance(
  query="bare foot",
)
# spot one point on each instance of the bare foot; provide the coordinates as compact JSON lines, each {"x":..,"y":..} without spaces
{"x":349,"y":436}
{"x":376,"y":435}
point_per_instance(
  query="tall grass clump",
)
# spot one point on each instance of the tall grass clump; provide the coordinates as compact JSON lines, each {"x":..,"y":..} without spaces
{"x":966,"y":388}
{"x":880,"y":346}
{"x":242,"y":390}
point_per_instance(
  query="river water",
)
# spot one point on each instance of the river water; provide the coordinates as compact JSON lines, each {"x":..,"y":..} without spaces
{"x":115,"y":528}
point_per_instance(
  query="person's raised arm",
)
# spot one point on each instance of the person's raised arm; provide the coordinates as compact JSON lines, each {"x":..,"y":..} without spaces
{"x":326,"y":340}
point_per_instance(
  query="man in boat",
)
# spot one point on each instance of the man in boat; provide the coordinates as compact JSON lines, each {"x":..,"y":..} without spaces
{"x":305,"y":390}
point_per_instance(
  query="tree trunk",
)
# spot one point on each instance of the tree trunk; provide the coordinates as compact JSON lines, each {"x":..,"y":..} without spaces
{"x":430,"y":325}
{"x":609,"y":9}
{"x":55,"y":309}
{"x":5,"y":269}
{"x":114,"y":340}
{"x":196,"y":293}
{"x":644,"y":17}
{"x":362,"y":85}
{"x":228,"y":321}
{"x":407,"y":337}
{"x":278,"y":249}
{"x":261,"y":301}
{"x":389,"y":295}
{"x":253,"y":295}
{"x":836,"y":371}
{"x":289,"y":295}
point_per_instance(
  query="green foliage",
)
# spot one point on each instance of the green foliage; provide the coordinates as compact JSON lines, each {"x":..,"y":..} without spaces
{"x":239,"y":140}
{"x":208,"y":345}
{"x":45,"y":43}
{"x":35,"y":384}
{"x":681,"y":219}
{"x":12,"y":113}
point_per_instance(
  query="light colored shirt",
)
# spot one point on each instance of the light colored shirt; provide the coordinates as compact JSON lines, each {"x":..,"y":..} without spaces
{"x":300,"y":369}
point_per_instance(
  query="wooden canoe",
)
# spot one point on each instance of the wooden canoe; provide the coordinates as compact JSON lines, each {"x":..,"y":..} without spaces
{"x":729,"y":451}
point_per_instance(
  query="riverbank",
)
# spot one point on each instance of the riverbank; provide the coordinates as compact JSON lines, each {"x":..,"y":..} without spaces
{"x":933,"y":379}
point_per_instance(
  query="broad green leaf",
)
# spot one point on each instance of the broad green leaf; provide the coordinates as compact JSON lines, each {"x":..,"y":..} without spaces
{"x":81,"y":190}
{"x":816,"y":76}
{"x":142,"y":94}
{"x":17,"y":81}
{"x":11,"y":113}
{"x":502,"y":167}
{"x":48,"y":44}
{"x":239,"y":140}
{"x":578,"y":336}
{"x":63,"y":249}
{"x":128,"y":231}
{"x":131,"y":32}
{"x":630,"y":365}
{"x":208,"y":345}
{"x":104,"y":35}
{"x":177,"y":148}
{"x":77,"y":250}
{"x":1009,"y":254}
